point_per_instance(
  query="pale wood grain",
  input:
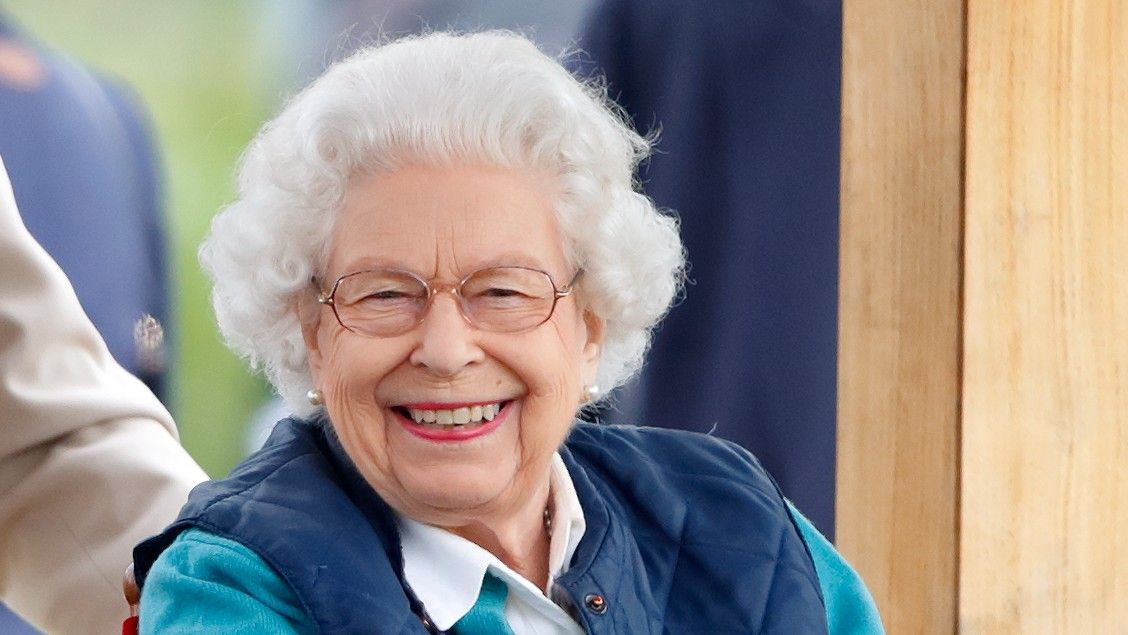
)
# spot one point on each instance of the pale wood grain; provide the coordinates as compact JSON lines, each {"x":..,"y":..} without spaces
{"x":1044,"y":529}
{"x":898,"y":387}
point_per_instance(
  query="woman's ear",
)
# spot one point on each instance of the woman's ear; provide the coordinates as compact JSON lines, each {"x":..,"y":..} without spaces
{"x":593,"y":346}
{"x":308,"y":311}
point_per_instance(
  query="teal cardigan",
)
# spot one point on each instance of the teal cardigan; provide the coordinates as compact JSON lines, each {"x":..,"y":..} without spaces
{"x":243,"y":595}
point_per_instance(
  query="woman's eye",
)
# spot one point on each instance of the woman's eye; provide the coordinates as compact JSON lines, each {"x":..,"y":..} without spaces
{"x":497,"y":292}
{"x":386,"y":295}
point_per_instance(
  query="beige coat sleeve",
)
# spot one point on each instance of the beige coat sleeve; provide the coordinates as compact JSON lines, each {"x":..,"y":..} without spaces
{"x":89,"y":459}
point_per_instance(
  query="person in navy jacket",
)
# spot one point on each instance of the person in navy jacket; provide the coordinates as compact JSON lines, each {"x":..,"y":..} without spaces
{"x":438,"y":256}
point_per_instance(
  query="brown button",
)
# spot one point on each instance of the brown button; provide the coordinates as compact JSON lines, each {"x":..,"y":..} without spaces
{"x":595,"y":603}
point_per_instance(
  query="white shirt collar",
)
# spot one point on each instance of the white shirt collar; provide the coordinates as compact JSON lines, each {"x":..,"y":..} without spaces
{"x":445,"y":571}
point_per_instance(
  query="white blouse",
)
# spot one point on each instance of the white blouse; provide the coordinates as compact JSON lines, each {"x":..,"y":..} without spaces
{"x":446,"y":570}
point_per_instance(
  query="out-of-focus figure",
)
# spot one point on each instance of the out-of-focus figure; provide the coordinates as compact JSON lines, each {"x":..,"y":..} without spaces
{"x":88,"y":458}
{"x":87,"y":183}
{"x":746,"y":95}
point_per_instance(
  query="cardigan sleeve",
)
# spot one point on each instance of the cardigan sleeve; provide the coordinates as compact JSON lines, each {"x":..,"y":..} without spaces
{"x":206,"y":584}
{"x":850,"y":609}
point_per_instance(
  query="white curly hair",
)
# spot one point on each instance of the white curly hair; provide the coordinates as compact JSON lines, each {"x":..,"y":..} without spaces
{"x":485,"y":98}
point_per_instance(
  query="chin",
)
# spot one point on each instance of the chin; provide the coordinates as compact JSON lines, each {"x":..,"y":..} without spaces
{"x":446,"y":488}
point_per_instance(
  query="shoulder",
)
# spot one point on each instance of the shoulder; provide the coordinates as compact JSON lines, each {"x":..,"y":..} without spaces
{"x":669,"y":455}
{"x":342,"y":578}
{"x":272,"y":486}
{"x":693,"y":484}
{"x":291,"y":453}
{"x":643,"y":438}
{"x":703,"y":512}
{"x":237,"y":587}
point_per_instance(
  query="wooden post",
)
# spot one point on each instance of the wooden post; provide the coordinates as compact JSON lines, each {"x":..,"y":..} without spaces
{"x":983,"y":364}
{"x":1044,"y":500}
{"x":899,"y":311}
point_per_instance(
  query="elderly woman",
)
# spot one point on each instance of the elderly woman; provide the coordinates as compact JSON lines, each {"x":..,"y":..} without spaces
{"x":438,"y":256}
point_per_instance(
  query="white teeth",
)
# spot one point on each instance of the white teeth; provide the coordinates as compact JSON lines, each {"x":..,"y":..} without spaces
{"x":457,"y":416}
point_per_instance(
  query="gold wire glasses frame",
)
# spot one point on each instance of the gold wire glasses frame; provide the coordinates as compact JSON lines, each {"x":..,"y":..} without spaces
{"x":390,"y":302}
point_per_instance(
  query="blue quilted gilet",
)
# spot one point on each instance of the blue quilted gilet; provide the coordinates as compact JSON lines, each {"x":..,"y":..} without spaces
{"x":685,"y":534}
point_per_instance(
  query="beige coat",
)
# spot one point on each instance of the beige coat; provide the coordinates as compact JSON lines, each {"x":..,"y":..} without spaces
{"x":89,"y":459}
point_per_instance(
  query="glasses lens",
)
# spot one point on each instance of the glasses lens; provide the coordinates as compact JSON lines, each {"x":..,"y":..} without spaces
{"x":508,"y":298}
{"x":382,"y":302}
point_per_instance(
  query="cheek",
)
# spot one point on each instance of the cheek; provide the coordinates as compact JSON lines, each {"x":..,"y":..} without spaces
{"x":352,"y":372}
{"x":550,"y":368}
{"x":549,"y":365}
{"x":353,"y":367}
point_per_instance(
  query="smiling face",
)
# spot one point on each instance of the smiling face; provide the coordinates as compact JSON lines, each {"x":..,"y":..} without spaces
{"x":442,"y":223}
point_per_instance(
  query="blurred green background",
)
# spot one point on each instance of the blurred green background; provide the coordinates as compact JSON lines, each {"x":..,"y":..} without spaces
{"x":208,"y":84}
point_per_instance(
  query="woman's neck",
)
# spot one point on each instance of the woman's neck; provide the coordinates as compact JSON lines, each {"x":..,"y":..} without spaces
{"x":520,"y":541}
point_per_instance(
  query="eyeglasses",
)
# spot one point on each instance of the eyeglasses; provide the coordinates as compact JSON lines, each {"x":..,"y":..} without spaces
{"x":390,"y":302}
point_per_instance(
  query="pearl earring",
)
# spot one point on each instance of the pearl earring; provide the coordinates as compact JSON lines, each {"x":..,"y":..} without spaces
{"x":591,"y":393}
{"x":314,"y":397}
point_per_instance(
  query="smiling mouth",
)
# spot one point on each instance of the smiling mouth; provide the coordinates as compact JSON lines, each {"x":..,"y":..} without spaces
{"x":452,"y":419}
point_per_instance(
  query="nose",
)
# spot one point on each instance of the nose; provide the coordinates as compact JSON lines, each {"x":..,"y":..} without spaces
{"x":447,"y":342}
